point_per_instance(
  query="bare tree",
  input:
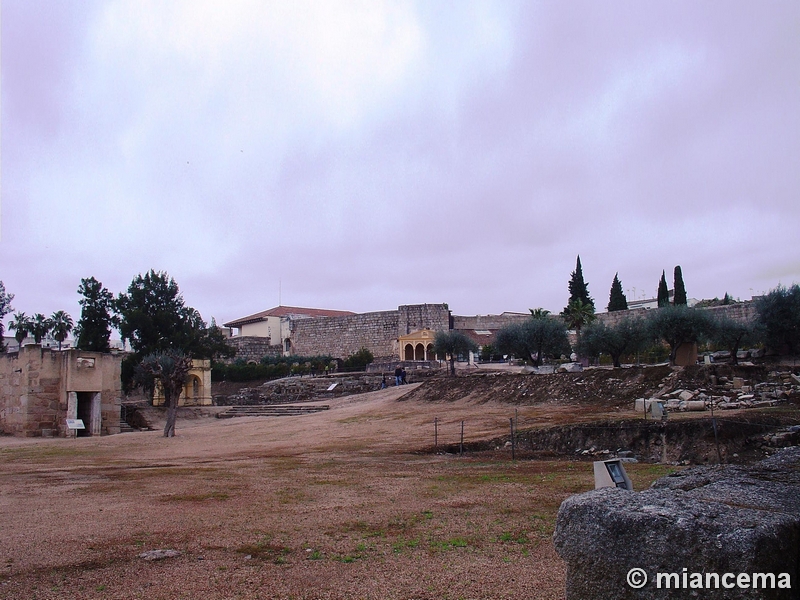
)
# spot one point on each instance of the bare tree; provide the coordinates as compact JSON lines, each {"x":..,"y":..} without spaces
{"x":169,"y":369}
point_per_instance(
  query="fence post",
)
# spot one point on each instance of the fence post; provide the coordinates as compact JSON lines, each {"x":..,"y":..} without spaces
{"x":436,"y":434}
{"x":461,"y":452}
{"x":513,"y":443}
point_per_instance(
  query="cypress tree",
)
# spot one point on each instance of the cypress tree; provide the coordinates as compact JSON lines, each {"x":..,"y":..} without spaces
{"x":578,"y":288}
{"x":663,"y":291}
{"x":680,"y":289}
{"x":617,"y":299}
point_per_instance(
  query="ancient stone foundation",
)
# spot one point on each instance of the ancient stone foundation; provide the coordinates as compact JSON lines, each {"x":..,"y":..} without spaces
{"x":699,"y":529}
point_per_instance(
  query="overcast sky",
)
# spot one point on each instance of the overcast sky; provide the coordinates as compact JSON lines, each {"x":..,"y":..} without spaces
{"x":363,"y":155}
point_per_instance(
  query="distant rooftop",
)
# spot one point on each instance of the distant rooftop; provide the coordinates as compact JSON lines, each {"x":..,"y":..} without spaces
{"x":287,"y":311}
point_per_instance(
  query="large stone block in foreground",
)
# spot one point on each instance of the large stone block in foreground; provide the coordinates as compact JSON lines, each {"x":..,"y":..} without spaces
{"x":706,"y":520}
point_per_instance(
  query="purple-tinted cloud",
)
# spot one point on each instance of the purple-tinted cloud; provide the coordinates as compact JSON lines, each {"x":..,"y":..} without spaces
{"x":370,"y":156}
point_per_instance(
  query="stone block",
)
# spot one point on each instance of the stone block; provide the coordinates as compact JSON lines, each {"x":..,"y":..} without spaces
{"x":703,"y":520}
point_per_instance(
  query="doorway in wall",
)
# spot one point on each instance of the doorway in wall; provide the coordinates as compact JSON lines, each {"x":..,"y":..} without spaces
{"x":85,"y":413}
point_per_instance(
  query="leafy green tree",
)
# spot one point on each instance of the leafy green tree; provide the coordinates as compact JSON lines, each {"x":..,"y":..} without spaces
{"x":578,"y":288}
{"x":779,"y":319}
{"x":358,"y":361}
{"x":21,"y":324}
{"x":539,"y":313}
{"x":663,"y":291}
{"x":154,"y":318}
{"x":61,"y":324}
{"x":616,"y":298}
{"x":453,"y":343}
{"x":40,"y":327}
{"x":5,"y":309}
{"x":678,"y":325}
{"x":169,"y":369}
{"x":577,"y":314}
{"x":624,"y":337}
{"x":488,"y":352}
{"x":94,"y":326}
{"x":680,"y":290}
{"x":534,"y":339}
{"x":731,"y":335}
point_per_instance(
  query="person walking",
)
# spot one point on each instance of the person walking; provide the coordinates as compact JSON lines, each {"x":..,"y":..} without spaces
{"x":398,"y":375}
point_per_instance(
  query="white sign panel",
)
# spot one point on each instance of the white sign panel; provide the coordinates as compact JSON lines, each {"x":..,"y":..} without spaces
{"x":75,"y":424}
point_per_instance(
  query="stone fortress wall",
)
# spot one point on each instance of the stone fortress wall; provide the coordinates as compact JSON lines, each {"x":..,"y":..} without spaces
{"x":342,"y":336}
{"x":376,"y":331}
{"x":741,"y":311}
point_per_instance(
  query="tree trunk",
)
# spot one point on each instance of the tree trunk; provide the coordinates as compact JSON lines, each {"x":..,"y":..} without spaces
{"x":172,"y":413}
{"x":452,"y":365}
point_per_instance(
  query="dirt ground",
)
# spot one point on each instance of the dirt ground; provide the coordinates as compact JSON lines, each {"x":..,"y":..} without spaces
{"x":336,"y":504}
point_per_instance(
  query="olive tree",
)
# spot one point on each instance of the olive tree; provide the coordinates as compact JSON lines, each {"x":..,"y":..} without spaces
{"x":534,"y":339}
{"x":624,"y":337}
{"x":168,"y":369}
{"x":779,"y":319}
{"x":678,"y":325}
{"x":452,"y":343}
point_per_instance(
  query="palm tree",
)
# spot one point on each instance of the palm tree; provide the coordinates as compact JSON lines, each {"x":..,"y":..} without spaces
{"x":577,"y":314}
{"x":61,"y":324}
{"x":539,"y":313}
{"x":21,"y":324}
{"x":40,"y":327}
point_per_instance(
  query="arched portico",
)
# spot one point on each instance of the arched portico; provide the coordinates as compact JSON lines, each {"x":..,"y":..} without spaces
{"x":417,"y":345}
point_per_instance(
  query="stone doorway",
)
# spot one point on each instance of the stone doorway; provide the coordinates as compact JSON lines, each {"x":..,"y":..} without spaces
{"x":87,"y":407}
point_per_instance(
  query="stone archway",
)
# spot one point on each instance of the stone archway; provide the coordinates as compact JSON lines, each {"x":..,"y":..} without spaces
{"x":408,"y":352}
{"x":419,"y":352}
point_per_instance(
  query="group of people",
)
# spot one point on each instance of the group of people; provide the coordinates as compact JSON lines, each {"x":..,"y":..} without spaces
{"x":399,"y":377}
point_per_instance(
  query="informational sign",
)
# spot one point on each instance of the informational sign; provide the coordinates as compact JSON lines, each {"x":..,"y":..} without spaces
{"x":331,"y":387}
{"x":75,"y":424}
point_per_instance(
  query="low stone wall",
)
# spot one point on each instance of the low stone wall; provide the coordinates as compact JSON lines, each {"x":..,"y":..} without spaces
{"x":705,"y":520}
{"x":252,"y":348}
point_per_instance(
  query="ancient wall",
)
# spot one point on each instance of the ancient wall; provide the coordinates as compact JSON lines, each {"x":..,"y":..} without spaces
{"x":376,"y":331}
{"x":414,"y":317}
{"x":741,"y":311}
{"x":342,"y":336}
{"x":37,"y":385}
{"x":488,"y":322}
{"x":251,"y":348}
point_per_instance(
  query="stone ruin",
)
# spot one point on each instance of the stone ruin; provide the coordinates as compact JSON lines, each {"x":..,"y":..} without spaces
{"x":726,"y":393}
{"x":693,"y":528}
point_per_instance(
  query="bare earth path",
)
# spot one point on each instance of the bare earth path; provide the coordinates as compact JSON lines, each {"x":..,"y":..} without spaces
{"x":336,"y":504}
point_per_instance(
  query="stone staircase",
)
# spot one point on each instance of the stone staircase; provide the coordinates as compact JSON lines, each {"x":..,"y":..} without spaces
{"x":124,"y":427}
{"x":274,"y":410}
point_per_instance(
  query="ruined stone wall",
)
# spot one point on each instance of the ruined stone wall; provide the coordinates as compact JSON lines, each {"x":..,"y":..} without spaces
{"x":342,"y":336}
{"x":414,"y":317}
{"x":741,"y":312}
{"x":252,"y":348}
{"x":376,"y":331}
{"x":489,"y":322}
{"x":35,"y":383}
